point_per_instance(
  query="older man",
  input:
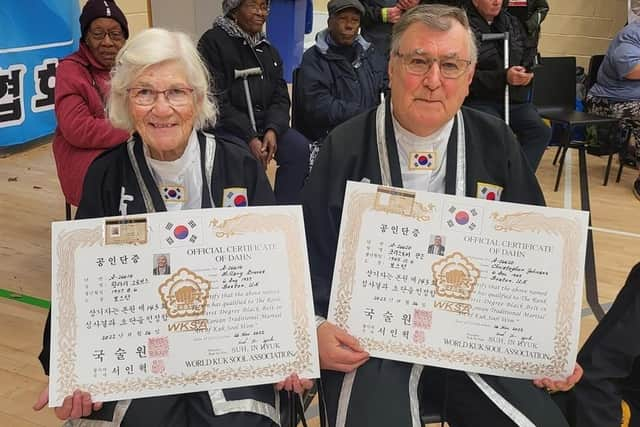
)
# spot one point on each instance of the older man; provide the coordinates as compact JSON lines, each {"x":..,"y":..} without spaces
{"x":341,"y":76}
{"x":487,"y":88}
{"x":431,"y":66}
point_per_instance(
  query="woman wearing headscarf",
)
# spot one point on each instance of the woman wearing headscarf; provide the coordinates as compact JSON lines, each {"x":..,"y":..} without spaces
{"x":82,"y":85}
{"x":236,"y":43}
{"x":160,"y":93}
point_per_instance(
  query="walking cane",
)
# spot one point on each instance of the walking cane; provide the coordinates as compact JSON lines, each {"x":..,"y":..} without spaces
{"x":505,"y":37}
{"x":243,"y":74}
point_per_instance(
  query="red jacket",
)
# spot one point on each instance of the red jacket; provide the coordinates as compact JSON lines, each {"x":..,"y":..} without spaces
{"x":83,"y":131}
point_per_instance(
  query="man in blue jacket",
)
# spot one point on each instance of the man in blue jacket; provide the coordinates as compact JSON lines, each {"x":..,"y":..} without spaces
{"x":341,"y":76}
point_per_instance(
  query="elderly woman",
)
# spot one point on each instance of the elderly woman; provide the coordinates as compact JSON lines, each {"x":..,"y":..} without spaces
{"x":235,"y":43}
{"x":82,"y":85}
{"x":160,"y":93}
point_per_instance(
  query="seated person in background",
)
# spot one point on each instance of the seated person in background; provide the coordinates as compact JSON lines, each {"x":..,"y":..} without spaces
{"x":82,"y":85}
{"x":611,"y":361}
{"x":530,"y":13}
{"x":380,"y":15}
{"x":160,"y":92}
{"x":341,"y":76}
{"x":432,"y":61}
{"x":487,"y":89}
{"x":236,"y":42}
{"x":616,"y":92}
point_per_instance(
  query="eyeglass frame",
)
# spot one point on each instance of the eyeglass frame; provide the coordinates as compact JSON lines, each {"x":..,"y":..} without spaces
{"x":405,"y":57}
{"x":102,"y":34}
{"x":156,"y":93}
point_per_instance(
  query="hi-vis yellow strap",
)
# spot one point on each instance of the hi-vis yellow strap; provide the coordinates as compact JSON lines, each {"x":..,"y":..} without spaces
{"x":626,"y":414}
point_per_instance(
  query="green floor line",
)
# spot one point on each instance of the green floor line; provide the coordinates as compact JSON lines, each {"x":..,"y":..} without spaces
{"x":26,"y":299}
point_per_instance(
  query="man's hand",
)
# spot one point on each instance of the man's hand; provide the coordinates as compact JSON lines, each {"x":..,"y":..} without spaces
{"x":75,"y":406}
{"x":256,"y":148}
{"x":560,"y":385}
{"x":518,"y":76}
{"x":269,"y":144}
{"x":407,"y":4}
{"x":295,"y":384}
{"x":393,"y":14}
{"x":338,"y":350}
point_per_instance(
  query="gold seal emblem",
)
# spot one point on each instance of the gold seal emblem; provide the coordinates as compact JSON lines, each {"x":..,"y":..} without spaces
{"x":455,"y":276}
{"x":185,"y":294}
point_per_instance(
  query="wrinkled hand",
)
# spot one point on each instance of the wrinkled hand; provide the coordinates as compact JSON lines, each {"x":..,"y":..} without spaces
{"x":75,"y":406}
{"x":518,"y":76}
{"x":269,"y":143}
{"x":407,"y":4}
{"x":295,"y":384}
{"x":393,"y":14}
{"x":567,"y":384}
{"x":257,"y":149}
{"x":338,"y":350}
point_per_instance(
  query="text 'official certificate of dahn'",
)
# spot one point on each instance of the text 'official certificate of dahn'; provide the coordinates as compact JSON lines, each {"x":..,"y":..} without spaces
{"x":462,"y":283}
{"x":178,"y":302}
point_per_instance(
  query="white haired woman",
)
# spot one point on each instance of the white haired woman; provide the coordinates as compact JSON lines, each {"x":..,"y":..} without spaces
{"x":160,"y":92}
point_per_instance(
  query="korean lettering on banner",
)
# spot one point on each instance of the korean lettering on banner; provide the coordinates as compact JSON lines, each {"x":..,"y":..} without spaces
{"x":28,"y":63}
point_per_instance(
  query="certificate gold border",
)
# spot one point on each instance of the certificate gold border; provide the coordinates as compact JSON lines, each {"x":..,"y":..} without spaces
{"x":567,"y":229}
{"x":70,"y":242}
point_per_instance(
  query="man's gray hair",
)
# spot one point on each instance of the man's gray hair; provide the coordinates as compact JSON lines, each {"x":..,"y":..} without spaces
{"x":436,"y":17}
{"x":154,"y":46}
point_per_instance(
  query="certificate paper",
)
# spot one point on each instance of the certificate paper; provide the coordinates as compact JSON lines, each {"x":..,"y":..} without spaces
{"x":177,"y":302}
{"x":462,"y":283}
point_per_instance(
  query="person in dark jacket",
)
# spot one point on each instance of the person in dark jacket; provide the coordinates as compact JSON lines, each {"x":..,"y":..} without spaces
{"x":530,"y":13}
{"x":160,"y":92}
{"x":611,"y":361}
{"x":380,"y":15}
{"x":82,"y":85}
{"x":341,"y":76}
{"x":487,"y":91}
{"x":236,"y":42}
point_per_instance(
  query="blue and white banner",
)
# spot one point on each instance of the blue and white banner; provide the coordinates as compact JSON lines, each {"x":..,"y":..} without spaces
{"x":35,"y":35}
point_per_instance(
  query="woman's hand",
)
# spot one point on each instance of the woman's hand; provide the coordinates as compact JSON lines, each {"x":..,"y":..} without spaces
{"x":293,"y":383}
{"x":75,"y":406}
{"x":256,"y":148}
{"x":567,"y":384}
{"x":269,"y":144}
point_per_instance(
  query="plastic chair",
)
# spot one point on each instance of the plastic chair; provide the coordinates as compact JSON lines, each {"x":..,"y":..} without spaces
{"x":554,"y":93}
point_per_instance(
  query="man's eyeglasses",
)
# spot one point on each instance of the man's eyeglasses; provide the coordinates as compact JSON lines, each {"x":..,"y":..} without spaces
{"x":419,"y":65}
{"x":146,"y":96}
{"x":115,"y":36}
{"x":258,"y":8}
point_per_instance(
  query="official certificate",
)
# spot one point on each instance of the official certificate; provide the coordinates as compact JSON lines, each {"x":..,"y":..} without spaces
{"x":177,"y":302}
{"x":467,"y":284}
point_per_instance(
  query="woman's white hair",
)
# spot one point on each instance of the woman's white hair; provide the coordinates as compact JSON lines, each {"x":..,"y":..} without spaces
{"x":151,"y":47}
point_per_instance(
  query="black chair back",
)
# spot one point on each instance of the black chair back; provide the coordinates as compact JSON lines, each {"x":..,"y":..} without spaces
{"x":592,"y":73}
{"x":554,"y":84}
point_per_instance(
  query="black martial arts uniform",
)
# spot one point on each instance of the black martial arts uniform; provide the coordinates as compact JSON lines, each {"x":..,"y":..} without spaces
{"x":385,"y":393}
{"x":611,"y":361}
{"x":109,"y":177}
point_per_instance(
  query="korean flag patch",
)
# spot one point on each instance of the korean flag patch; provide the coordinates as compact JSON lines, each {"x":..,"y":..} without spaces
{"x":488,"y":191}
{"x":234,"y":197}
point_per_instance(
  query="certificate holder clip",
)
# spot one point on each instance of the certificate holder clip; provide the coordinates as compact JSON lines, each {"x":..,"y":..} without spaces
{"x":125,"y":230}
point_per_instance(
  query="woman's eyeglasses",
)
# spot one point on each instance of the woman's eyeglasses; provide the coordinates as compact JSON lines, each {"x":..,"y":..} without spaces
{"x":145,"y":96}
